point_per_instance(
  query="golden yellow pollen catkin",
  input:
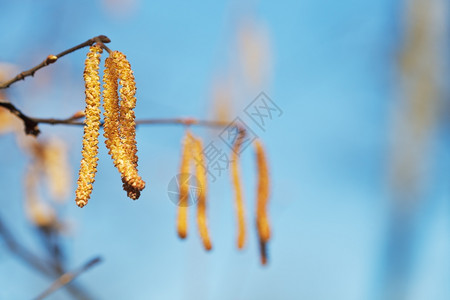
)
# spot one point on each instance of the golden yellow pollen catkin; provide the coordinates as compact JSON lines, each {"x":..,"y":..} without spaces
{"x":120,"y":126}
{"x":262,"y":222}
{"x":184,"y":176}
{"x":88,"y":166}
{"x":200,"y":173}
{"x":127,"y":119}
{"x":111,"y":114}
{"x":236,"y":181}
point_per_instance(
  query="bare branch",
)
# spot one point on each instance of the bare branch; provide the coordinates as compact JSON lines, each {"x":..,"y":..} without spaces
{"x":169,"y":121}
{"x":31,"y":124}
{"x":66,"y":278}
{"x":101,"y":40}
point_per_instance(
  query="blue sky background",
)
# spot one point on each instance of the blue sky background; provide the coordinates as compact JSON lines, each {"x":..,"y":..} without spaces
{"x":332,"y":72}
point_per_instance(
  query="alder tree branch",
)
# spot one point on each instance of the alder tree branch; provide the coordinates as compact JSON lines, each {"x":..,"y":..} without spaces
{"x":31,"y":124}
{"x":101,"y":40}
{"x":66,"y":278}
{"x":168,"y":121}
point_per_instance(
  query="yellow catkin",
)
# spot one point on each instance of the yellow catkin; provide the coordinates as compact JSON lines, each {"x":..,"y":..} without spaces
{"x":89,"y":159}
{"x":127,"y":121}
{"x":236,"y":181}
{"x":120,"y":126}
{"x":262,"y":222}
{"x":200,"y":173}
{"x":186,"y":157}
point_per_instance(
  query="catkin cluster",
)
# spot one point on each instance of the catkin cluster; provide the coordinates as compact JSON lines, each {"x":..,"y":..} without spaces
{"x":262,"y":195}
{"x":192,"y":153}
{"x":119,"y":91}
{"x":119,"y":123}
{"x":120,"y":126}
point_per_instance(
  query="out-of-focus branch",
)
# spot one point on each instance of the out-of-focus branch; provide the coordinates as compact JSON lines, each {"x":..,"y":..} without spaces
{"x":68,"y":277}
{"x":39,"y":264}
{"x":28,"y":257}
{"x":101,"y":40}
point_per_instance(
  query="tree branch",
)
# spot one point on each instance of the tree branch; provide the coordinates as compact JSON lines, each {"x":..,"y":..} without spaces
{"x":168,"y":121}
{"x":31,"y":124}
{"x":28,"y":257}
{"x":68,"y":277}
{"x":101,"y":40}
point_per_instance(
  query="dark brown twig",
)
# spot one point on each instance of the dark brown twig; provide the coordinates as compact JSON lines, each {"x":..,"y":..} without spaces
{"x":101,"y":40}
{"x":66,"y":278}
{"x":169,"y":121}
{"x":31,"y":124}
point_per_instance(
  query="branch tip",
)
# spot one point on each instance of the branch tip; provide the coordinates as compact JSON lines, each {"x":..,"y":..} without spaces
{"x":101,"y":39}
{"x":104,"y":39}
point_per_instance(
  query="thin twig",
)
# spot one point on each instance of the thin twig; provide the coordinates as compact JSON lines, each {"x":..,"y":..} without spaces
{"x":101,"y":40}
{"x":66,"y":278}
{"x":31,"y":124}
{"x":169,"y":121}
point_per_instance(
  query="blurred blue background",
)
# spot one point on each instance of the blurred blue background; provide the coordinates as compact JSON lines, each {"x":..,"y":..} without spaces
{"x":359,"y":158}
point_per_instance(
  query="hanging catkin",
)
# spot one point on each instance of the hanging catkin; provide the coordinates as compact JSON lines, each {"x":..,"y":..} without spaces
{"x":236,"y":181}
{"x":120,"y":126}
{"x":183,"y":184}
{"x":262,"y":222}
{"x":89,"y":159}
{"x":200,"y":173}
{"x":111,"y":111}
